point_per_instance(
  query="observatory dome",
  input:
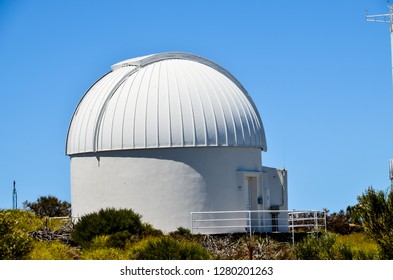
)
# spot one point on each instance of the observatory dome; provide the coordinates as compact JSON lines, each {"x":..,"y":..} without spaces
{"x":162,"y":101}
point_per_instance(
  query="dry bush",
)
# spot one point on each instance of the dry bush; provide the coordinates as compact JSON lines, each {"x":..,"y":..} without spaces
{"x":235,"y":247}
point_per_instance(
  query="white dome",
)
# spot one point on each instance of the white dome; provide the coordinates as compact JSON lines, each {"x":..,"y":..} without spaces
{"x":162,"y":101}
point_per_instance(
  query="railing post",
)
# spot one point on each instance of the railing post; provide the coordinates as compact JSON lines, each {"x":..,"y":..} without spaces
{"x":293,"y":230}
{"x":192,"y":223}
{"x":249,"y":220}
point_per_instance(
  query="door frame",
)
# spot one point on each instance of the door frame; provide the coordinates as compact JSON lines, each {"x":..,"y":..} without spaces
{"x":251,"y":196}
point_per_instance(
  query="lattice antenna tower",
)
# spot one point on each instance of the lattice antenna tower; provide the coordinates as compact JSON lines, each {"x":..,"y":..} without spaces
{"x":385,"y":18}
{"x":14,"y":198}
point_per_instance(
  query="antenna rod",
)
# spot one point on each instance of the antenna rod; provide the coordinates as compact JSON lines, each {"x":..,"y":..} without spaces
{"x":391,"y":34}
{"x":391,"y":174}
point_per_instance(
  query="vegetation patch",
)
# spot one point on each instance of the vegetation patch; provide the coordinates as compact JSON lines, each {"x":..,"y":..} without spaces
{"x":53,"y":250}
{"x":375,"y":210}
{"x":362,"y":232}
{"x":357,"y":246}
{"x":15,"y":242}
{"x":121,"y":223}
{"x":167,"y":248}
{"x":48,"y":206}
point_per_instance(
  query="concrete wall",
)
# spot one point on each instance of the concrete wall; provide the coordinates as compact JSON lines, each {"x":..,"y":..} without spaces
{"x":165,"y":185}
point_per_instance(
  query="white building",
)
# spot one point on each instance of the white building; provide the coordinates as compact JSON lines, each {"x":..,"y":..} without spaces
{"x":169,"y":134}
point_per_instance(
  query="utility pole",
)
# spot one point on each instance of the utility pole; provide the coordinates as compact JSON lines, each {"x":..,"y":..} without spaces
{"x":14,"y":198}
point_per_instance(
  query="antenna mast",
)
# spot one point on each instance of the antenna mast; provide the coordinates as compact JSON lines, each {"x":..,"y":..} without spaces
{"x":385,"y":18}
{"x":14,"y":198}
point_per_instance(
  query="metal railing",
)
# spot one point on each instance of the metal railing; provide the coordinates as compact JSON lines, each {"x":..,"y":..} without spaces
{"x":252,"y":221}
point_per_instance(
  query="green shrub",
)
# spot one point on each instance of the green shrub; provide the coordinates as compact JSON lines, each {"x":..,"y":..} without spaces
{"x":118,"y":239}
{"x":99,"y":242}
{"x":345,"y":252}
{"x":375,"y":210}
{"x":316,"y":247}
{"x":149,"y":230}
{"x":181,"y":233}
{"x":15,"y":243}
{"x":106,"y":222}
{"x":15,"y":246}
{"x":53,"y":250}
{"x":356,"y":246}
{"x":6,"y":224}
{"x":364,"y":255}
{"x":104,"y":254}
{"x":48,"y":206}
{"x":167,"y":248}
{"x":21,"y":220}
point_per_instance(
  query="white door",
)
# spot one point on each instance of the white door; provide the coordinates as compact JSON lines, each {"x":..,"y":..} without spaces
{"x":252,"y":201}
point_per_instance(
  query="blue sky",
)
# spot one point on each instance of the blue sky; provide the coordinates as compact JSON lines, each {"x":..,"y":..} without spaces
{"x":319,"y":74}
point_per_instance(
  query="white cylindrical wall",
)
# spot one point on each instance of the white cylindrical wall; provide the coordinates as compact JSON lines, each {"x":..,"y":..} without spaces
{"x":163,"y":185}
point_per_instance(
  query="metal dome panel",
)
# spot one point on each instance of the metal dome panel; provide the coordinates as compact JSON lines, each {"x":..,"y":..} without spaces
{"x":162,"y":101}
